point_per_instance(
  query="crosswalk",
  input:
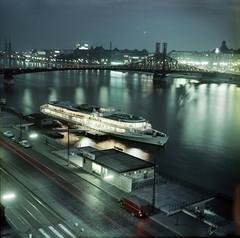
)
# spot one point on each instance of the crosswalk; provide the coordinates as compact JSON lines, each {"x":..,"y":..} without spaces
{"x":60,"y":232}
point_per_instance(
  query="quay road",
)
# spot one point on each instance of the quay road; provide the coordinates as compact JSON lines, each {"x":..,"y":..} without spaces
{"x":52,"y":200}
{"x":179,"y":223}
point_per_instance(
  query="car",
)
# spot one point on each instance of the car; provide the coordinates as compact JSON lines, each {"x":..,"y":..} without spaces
{"x":3,"y":101}
{"x":55,"y":135}
{"x":24,"y":143}
{"x":8,"y":134}
{"x":16,"y":139}
{"x":57,"y":123}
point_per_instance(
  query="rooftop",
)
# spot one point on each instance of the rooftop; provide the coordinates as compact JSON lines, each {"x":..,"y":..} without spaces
{"x":118,"y":160}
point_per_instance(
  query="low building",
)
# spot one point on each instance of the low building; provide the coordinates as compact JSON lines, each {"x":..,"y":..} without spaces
{"x":116,"y":167}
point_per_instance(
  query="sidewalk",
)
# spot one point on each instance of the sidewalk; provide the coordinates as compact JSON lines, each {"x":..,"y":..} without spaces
{"x":182,"y":223}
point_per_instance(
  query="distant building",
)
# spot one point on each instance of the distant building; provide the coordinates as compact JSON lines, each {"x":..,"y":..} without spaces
{"x":82,"y":46}
{"x":99,"y":55}
{"x":221,"y":59}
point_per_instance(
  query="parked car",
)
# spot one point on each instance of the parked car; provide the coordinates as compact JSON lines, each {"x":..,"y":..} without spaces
{"x":24,"y":143}
{"x":16,"y":139}
{"x":135,"y":205}
{"x":55,"y":135}
{"x":8,"y":134}
{"x":3,"y":101}
{"x":57,"y":123}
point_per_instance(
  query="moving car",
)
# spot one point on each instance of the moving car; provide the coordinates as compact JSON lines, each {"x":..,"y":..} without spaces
{"x":24,"y":143}
{"x":8,"y":134}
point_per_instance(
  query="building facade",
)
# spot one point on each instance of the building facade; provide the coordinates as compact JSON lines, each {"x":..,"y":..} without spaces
{"x":115,"y":167}
{"x":221,"y":59}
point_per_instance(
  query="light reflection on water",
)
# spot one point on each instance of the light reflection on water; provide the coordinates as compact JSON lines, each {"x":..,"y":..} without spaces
{"x":202,"y":119}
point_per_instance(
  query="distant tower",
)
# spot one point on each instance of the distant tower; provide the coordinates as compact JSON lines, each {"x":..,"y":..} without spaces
{"x":164,"y":58}
{"x":8,"y":77}
{"x":157,"y":49}
{"x":157,"y":54}
{"x":7,"y":53}
{"x":224,"y":47}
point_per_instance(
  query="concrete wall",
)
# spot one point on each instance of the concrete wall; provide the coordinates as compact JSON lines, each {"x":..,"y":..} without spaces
{"x":87,"y":165}
{"x":124,"y":183}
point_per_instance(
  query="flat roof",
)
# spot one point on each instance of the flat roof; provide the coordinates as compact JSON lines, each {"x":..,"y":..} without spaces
{"x":117,"y":160}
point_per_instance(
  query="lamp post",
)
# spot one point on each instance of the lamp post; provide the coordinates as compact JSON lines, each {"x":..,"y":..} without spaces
{"x":68,"y":162}
{"x":68,"y":130}
{"x":154,"y":184}
{"x":20,"y":117}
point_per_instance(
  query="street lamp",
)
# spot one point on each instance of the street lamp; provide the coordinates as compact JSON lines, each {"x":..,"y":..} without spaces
{"x":68,"y":146}
{"x":154,"y":185}
{"x":9,"y":196}
{"x":20,"y":117}
{"x":33,"y":135}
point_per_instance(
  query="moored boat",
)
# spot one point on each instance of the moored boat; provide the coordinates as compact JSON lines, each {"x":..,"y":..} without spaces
{"x":107,"y":120}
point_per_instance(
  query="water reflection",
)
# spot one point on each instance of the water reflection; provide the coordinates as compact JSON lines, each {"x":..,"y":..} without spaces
{"x":201,"y":117}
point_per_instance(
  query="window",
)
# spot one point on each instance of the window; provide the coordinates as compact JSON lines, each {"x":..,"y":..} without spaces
{"x":96,"y":168}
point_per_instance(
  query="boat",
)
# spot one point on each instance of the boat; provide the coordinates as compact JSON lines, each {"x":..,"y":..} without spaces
{"x":106,"y":120}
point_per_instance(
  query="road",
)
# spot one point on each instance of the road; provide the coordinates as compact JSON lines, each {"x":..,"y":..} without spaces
{"x":51,"y":201}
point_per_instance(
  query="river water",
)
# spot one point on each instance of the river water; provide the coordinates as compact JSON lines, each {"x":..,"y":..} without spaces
{"x":202,"y":119}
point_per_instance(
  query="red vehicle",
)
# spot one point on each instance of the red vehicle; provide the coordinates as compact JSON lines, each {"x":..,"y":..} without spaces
{"x":136,"y":206}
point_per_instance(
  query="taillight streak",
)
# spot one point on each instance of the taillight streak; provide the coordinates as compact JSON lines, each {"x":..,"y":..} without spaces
{"x":65,"y":188}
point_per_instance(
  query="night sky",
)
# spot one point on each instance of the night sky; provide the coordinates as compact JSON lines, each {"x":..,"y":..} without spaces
{"x":197,"y":25}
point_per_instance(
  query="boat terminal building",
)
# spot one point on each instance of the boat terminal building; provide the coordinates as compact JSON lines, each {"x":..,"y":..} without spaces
{"x":122,"y":170}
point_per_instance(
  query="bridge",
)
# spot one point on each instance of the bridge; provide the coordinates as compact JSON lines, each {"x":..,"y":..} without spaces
{"x":158,"y":64}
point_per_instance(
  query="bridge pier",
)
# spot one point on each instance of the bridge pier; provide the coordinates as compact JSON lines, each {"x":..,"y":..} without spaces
{"x":8,"y":78}
{"x":160,"y":77}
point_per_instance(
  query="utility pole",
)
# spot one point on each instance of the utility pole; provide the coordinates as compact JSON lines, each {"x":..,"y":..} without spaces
{"x":164,"y":59}
{"x":154,"y":185}
{"x":20,"y":117}
{"x":68,"y":162}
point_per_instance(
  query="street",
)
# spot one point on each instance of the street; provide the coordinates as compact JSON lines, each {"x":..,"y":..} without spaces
{"x":51,"y":200}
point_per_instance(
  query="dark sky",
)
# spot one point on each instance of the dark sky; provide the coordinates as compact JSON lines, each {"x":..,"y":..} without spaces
{"x":129,"y":24}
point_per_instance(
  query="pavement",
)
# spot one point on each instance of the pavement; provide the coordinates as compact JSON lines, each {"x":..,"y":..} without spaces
{"x":174,"y":203}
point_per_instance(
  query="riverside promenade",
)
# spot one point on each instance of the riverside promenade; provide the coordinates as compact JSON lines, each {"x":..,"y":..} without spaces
{"x":175,"y":202}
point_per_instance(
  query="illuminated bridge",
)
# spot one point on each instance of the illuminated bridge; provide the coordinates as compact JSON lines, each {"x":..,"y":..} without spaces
{"x":157,"y":64}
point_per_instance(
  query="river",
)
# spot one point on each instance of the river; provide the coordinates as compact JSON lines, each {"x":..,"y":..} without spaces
{"x":201,"y":118}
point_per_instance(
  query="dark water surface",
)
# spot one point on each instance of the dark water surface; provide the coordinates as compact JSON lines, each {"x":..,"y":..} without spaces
{"x":202,"y":119}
